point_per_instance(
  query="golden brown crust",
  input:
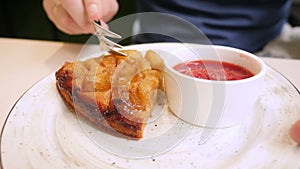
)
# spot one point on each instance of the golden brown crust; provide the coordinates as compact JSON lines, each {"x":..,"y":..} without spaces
{"x":85,"y":87}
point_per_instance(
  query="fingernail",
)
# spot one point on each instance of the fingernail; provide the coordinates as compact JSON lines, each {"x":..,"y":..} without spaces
{"x":92,"y":11}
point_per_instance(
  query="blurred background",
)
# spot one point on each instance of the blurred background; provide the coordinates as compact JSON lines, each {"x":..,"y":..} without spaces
{"x":27,"y":19}
{"x":294,"y":18}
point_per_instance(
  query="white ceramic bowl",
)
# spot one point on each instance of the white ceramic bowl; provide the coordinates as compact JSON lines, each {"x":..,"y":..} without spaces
{"x":209,"y":103}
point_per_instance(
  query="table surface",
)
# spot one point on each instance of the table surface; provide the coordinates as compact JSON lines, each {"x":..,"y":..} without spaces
{"x":24,"y":62}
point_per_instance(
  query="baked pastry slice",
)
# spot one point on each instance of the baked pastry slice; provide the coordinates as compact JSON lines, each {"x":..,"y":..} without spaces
{"x":111,"y":91}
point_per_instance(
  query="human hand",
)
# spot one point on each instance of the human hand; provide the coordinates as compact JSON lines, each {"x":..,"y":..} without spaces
{"x":76,"y":16}
{"x":295,"y":132}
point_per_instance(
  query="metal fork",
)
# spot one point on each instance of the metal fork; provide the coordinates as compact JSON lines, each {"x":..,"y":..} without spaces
{"x":106,"y":44}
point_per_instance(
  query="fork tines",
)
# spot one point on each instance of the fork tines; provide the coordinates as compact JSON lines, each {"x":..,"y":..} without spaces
{"x":106,"y":44}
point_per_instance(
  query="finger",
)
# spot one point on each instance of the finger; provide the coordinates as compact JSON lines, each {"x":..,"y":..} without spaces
{"x":75,"y":8}
{"x":48,"y":6}
{"x":60,"y":17}
{"x":52,"y":11}
{"x":103,"y":24}
{"x":101,"y":9}
{"x":65,"y":22}
{"x":295,"y":132}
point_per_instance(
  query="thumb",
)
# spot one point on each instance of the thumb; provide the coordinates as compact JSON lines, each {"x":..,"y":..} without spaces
{"x":102,"y":10}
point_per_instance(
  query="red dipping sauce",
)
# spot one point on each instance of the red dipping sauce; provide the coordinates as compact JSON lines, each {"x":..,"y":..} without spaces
{"x":213,"y":70}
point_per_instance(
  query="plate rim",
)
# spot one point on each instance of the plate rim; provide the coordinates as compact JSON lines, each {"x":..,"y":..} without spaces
{"x":129,"y":46}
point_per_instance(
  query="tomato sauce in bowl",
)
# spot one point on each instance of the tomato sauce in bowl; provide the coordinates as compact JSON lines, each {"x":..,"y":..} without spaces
{"x":213,"y":70}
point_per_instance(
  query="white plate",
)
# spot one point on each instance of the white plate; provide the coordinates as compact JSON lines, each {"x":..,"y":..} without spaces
{"x":40,"y":132}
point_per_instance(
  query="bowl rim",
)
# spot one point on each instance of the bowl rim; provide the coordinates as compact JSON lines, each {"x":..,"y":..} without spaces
{"x":261,"y":73}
